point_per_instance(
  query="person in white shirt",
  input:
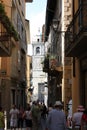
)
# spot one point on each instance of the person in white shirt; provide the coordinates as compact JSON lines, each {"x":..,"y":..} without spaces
{"x":76,"y":119}
{"x":13,"y":117}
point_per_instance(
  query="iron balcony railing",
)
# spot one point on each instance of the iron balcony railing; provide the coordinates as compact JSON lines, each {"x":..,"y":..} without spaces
{"x":77,"y":27}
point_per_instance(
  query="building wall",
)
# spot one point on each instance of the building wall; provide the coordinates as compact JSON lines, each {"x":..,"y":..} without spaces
{"x":78,"y":70}
{"x":7,"y":6}
{"x":13,"y":68}
{"x":67,"y":70}
{"x":43,"y":32}
{"x":76,"y":82}
{"x":63,"y":14}
{"x":76,"y":86}
{"x":28,"y":61}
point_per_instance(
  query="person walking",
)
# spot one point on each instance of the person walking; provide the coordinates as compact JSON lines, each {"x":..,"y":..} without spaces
{"x":43,"y":117}
{"x":56,"y":119}
{"x":28,"y":118}
{"x":13,"y":117}
{"x":2,"y":123}
{"x":20,"y":117}
{"x":36,"y":114}
{"x":76,"y":118}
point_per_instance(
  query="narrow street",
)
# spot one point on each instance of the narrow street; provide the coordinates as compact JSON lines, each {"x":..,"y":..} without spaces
{"x":42,"y":125}
{"x":43,"y":58}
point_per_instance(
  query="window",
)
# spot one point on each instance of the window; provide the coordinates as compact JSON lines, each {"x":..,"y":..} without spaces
{"x":37,"y":50}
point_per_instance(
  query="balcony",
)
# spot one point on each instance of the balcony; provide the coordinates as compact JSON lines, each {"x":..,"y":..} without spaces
{"x":7,"y":24}
{"x":7,"y":31}
{"x":76,"y":44}
{"x":5,"y":44}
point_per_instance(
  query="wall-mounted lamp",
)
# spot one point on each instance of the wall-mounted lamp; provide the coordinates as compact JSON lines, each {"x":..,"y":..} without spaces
{"x":68,"y":33}
{"x":55,"y":24}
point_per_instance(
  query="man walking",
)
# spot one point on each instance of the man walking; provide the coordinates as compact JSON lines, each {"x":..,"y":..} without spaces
{"x":13,"y":117}
{"x":56,"y":119}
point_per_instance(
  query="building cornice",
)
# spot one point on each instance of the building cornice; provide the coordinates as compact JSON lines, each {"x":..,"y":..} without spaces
{"x":28,"y":0}
{"x":50,"y":9}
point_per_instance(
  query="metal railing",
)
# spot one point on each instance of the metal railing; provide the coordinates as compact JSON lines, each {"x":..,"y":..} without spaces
{"x":77,"y":26}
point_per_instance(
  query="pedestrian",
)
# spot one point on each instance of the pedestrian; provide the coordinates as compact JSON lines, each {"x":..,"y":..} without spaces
{"x":2,"y":123}
{"x":43,"y":117}
{"x":13,"y":117}
{"x":69,"y":114}
{"x":84,"y":120}
{"x":56,"y":119}
{"x":28,"y":118}
{"x":36,"y":114}
{"x":76,"y":118}
{"x":20,"y":117}
{"x":43,"y":111}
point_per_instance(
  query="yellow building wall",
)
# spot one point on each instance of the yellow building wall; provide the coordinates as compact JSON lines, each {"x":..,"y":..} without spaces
{"x":75,"y":86}
{"x":10,"y":63}
{"x":4,"y":61}
{"x":8,"y":6}
{"x":28,"y":61}
{"x":75,"y":5}
{"x":76,"y":78}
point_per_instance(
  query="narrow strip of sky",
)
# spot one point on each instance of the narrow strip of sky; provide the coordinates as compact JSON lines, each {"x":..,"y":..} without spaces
{"x":35,"y":12}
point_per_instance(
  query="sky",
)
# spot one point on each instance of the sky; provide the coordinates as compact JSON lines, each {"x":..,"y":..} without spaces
{"x":35,"y":12}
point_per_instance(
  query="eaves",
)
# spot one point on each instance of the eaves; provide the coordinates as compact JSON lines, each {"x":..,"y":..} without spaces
{"x":50,"y":10}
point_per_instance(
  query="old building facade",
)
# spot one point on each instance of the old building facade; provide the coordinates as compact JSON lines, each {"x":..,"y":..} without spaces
{"x":76,"y":48}
{"x":72,"y":33}
{"x":13,"y":50}
{"x":60,"y":85}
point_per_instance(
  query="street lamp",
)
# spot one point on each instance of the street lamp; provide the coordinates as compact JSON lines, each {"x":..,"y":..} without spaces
{"x":68,"y":33}
{"x":55,"y":24}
